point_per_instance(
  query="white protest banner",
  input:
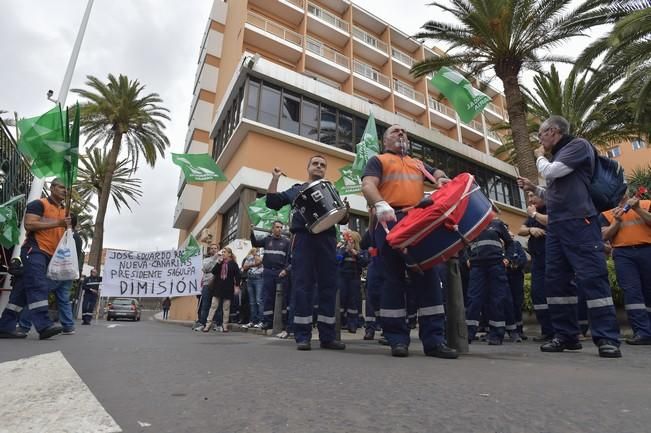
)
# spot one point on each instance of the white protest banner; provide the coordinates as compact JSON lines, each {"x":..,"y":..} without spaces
{"x":151,"y":275}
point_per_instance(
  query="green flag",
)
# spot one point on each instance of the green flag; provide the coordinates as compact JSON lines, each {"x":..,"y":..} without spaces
{"x":191,"y":249}
{"x":349,"y":182}
{"x":198,"y":167}
{"x":9,"y":232}
{"x":466,"y":100}
{"x":367,"y":147}
{"x":44,"y":141}
{"x":263,"y":217}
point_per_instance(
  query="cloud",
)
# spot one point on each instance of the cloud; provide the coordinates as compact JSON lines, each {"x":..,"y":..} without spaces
{"x":154,"y":41}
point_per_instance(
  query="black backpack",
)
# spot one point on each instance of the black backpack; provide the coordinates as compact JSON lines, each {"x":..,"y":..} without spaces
{"x":607,"y":185}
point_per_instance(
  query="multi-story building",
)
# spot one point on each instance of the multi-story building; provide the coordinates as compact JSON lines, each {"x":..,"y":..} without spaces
{"x":632,"y":155}
{"x":281,"y":80}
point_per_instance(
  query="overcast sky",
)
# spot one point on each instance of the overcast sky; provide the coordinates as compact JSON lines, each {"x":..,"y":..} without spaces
{"x":154,"y":41}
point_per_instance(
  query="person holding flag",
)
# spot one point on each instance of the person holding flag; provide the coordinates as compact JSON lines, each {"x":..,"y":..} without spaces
{"x":46,"y":220}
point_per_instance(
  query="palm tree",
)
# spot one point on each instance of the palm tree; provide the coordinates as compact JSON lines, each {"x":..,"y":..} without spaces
{"x":507,"y":37}
{"x":116,"y":110}
{"x":92,"y":171}
{"x":627,"y":49}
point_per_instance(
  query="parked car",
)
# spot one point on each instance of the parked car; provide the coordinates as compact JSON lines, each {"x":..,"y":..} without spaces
{"x":123,"y":308}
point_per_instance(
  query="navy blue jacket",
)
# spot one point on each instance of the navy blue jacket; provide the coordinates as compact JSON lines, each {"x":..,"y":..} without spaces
{"x":489,"y":246}
{"x":276,"y":251}
{"x":516,"y":256}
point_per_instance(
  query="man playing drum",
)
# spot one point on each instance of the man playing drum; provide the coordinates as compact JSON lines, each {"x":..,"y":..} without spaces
{"x":391,"y":182}
{"x":313,"y":261}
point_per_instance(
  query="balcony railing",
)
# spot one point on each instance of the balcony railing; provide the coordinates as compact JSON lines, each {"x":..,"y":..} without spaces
{"x":402,"y":57}
{"x":326,"y":16}
{"x":441,"y":108}
{"x":493,"y":135}
{"x":369,"y":39}
{"x":298,"y":3}
{"x":274,"y":28}
{"x":477,"y":126}
{"x":370,"y":73}
{"x":317,"y":47}
{"x":408,"y":91}
{"x":495,"y":109}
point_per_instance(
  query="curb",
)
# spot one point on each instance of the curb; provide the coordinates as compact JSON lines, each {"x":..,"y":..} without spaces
{"x":234,"y":327}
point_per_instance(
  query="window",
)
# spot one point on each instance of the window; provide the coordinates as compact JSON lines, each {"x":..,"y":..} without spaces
{"x":269,"y":105}
{"x":252,"y":100}
{"x":638,"y":144}
{"x":230,"y":222}
{"x":291,"y":110}
{"x":614,"y":152}
{"x":328,"y":130}
{"x":310,"y":119}
{"x":345,"y":131}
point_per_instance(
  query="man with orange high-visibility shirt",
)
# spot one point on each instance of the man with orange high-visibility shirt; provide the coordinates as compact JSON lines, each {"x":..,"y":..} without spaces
{"x":392,"y":182}
{"x":45,"y":223}
{"x":628,"y":228}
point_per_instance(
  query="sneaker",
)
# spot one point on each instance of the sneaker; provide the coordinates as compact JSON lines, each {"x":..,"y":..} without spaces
{"x":247,"y":325}
{"x":637,"y":340}
{"x":369,"y":334}
{"x":282,"y":335}
{"x":556,"y":345}
{"x":516,"y":337}
{"x":258,"y":325}
{"x":68,"y":332}
{"x":608,"y":349}
{"x":218,"y":328}
{"x":50,"y":331}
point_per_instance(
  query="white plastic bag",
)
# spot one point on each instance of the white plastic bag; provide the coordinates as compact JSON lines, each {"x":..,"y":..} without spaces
{"x":64,"y":265}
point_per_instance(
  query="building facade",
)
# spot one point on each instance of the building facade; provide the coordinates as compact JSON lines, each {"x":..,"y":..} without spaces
{"x":281,"y":80}
{"x":632,"y":155}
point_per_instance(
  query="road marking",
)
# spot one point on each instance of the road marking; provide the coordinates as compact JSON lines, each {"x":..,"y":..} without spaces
{"x":44,"y":393}
{"x":112,"y":326}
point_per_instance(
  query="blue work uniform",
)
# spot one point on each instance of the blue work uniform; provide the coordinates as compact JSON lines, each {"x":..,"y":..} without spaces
{"x":313,"y":262}
{"x":574,"y":249}
{"x":488,"y":285}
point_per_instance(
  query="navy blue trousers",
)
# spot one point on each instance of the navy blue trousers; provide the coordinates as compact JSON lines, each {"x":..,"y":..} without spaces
{"x":426,"y":293}
{"x":538,"y":295}
{"x":574,"y":248}
{"x":373,"y":289}
{"x":31,"y":291}
{"x":271,"y":279}
{"x":350,"y":298}
{"x":488,"y":286}
{"x":314,"y":262}
{"x":633,"y":268}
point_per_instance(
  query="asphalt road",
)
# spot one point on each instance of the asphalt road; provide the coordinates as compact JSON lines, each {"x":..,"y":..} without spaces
{"x":156,"y":377}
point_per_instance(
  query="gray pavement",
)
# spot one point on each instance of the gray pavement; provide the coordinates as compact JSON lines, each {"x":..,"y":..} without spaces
{"x":156,"y":377}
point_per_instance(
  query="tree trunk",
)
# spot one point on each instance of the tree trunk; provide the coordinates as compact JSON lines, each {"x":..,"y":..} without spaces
{"x":95,"y":256}
{"x":515,"y":105}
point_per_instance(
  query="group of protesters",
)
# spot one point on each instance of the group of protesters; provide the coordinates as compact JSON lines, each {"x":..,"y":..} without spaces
{"x":566,"y":253}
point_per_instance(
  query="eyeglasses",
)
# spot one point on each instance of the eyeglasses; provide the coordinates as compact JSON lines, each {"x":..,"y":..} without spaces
{"x":544,"y":131}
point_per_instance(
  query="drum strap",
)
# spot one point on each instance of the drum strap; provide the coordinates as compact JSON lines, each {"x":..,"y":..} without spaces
{"x":426,"y":173}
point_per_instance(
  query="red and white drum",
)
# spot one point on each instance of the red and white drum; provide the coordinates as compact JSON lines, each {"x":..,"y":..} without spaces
{"x":459,"y":213}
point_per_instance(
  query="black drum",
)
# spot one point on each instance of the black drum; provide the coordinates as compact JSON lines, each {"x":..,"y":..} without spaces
{"x":320,"y":205}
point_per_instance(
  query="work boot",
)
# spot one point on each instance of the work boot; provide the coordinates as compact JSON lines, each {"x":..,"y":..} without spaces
{"x":400,"y":351}
{"x":16,"y":333}
{"x":369,"y":334}
{"x":303,"y":345}
{"x":556,"y":345}
{"x":50,"y":331}
{"x":608,"y":349}
{"x":442,"y":351}
{"x":333,"y":345}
